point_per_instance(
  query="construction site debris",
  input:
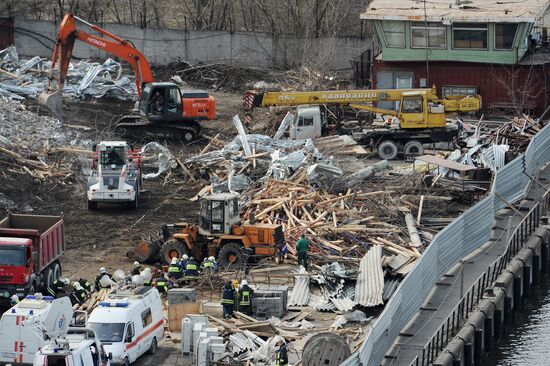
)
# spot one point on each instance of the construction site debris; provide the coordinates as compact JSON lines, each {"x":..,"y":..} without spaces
{"x":21,"y":78}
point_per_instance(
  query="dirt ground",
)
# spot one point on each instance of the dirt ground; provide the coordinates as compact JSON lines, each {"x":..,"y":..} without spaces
{"x":102,"y":238}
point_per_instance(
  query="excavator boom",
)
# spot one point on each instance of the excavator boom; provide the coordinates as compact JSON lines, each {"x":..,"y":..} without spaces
{"x":110,"y":43}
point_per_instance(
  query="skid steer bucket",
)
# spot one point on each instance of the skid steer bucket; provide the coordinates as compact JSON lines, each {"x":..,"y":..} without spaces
{"x":53,"y":100}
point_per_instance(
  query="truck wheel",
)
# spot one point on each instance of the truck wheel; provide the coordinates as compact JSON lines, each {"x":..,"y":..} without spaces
{"x":48,"y":280}
{"x":92,"y":205}
{"x":172,"y":248}
{"x":126,"y":362}
{"x":231,"y":256}
{"x":413,"y":148}
{"x":153,"y":349}
{"x":387,"y":150}
{"x":56,"y":271}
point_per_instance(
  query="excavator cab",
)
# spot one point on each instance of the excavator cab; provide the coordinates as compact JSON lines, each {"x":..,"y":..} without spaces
{"x":161,"y":102}
{"x":219,"y":212}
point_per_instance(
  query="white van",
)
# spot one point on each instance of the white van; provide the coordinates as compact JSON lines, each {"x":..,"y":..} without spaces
{"x":129,"y":323}
{"x":79,"y":347}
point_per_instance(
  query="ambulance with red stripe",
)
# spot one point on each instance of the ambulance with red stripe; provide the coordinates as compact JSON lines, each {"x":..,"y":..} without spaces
{"x":129,"y":323}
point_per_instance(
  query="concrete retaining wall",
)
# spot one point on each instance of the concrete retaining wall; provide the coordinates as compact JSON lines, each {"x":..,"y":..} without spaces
{"x":495,"y":310}
{"x":162,"y":46}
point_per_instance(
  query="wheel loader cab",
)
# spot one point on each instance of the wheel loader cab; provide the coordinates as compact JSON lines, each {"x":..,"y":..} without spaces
{"x":161,"y":102}
{"x":219,"y":212}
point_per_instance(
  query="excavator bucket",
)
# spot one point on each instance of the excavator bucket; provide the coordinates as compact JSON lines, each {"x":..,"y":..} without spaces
{"x":53,"y":100}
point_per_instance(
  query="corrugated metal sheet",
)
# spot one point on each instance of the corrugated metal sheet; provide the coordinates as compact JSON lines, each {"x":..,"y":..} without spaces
{"x":389,"y":288}
{"x":343,"y":303}
{"x":509,"y":183}
{"x":300,"y":293}
{"x":370,"y":282}
{"x":493,"y":157}
{"x":478,"y":222}
{"x":471,"y":11}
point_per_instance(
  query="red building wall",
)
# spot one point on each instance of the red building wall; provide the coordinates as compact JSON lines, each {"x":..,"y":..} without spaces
{"x":496,"y":83}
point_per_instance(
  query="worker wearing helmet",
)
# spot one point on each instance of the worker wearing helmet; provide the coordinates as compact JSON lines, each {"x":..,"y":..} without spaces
{"x":208,"y":264}
{"x":174,"y":270}
{"x":183,"y":261}
{"x":102,"y":273}
{"x":57,"y":288}
{"x":85,"y":285}
{"x":79,"y":295}
{"x":14,"y":300}
{"x":281,"y":357}
{"x":191,"y":267}
{"x":161,"y":284}
{"x":147,"y":274}
{"x":245,"y":298}
{"x":228,"y":300}
{"x":137,"y":268}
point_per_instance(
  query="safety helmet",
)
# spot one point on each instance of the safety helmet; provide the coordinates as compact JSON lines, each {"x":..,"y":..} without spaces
{"x":15,"y":297}
{"x":244,"y":282}
{"x":211,"y":258}
{"x":38,"y":296}
{"x":174,"y":260}
{"x":147,"y":269}
{"x":77,"y":285}
{"x":102,"y":270}
{"x":185,"y":257}
{"x":191,"y":259}
{"x":66,"y":281}
{"x":137,"y":264}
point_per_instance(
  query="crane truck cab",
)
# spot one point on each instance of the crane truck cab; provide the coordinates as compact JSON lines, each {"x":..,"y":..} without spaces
{"x":129,"y":323}
{"x":115,"y":175}
{"x":79,"y":347}
{"x":25,"y":327}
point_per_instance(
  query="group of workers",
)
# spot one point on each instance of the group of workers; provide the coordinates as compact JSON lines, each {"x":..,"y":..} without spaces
{"x":78,"y":291}
{"x":243,"y":294}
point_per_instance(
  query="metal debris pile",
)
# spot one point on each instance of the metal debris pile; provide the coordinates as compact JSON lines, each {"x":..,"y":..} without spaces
{"x":26,"y":78}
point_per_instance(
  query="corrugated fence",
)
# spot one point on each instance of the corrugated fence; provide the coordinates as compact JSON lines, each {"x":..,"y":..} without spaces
{"x":464,"y":235}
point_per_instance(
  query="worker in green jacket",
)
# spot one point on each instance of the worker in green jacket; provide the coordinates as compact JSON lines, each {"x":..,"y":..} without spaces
{"x":302,"y":246}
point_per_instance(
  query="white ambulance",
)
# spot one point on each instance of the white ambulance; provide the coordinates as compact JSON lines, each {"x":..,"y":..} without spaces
{"x":25,"y":327}
{"x":79,"y":347}
{"x":129,"y":323}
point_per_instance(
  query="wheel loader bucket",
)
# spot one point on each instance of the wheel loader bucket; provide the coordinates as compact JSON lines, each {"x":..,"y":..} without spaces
{"x":53,"y":100}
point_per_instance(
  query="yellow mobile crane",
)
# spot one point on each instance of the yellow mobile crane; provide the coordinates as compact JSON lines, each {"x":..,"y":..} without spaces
{"x":420,"y":119}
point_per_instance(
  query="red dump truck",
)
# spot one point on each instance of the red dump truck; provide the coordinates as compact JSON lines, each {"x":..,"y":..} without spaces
{"x":30,"y":249}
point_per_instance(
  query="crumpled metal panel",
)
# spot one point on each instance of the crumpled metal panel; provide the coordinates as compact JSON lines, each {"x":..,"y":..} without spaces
{"x":300,"y":293}
{"x":538,"y":151}
{"x":370,"y":282}
{"x":390,"y":286}
{"x":509,"y":183}
{"x":478,"y":222}
{"x":343,"y":303}
{"x":493,"y":157}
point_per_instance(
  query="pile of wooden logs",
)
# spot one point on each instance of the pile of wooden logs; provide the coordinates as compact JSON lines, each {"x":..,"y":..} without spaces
{"x":94,"y":300}
{"x":517,"y":133}
{"x":340,"y":227}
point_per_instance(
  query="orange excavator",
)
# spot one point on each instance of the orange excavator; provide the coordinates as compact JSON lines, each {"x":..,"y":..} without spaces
{"x":165,"y":111}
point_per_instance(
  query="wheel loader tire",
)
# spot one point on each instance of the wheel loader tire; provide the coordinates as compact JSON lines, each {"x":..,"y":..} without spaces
{"x":413,"y":148}
{"x":171,"y":249}
{"x":387,"y":150}
{"x":231,"y":256}
{"x":92,"y":205}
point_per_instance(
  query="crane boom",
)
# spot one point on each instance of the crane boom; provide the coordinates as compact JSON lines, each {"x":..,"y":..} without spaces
{"x":110,"y":43}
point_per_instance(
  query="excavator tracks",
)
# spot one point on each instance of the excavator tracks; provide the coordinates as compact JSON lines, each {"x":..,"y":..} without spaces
{"x":139,"y":128}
